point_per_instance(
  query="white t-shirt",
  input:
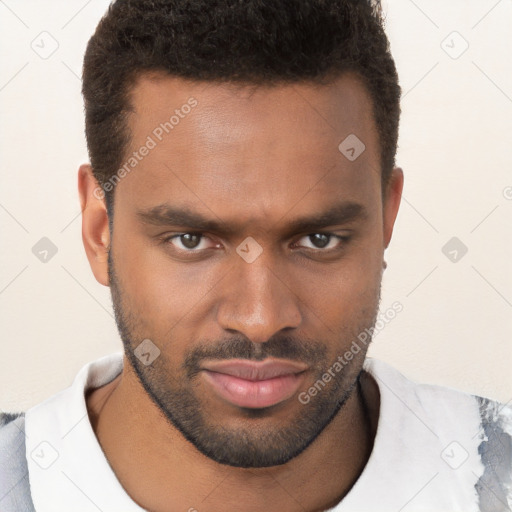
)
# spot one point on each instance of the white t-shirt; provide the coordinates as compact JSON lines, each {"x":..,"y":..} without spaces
{"x":436,"y":449}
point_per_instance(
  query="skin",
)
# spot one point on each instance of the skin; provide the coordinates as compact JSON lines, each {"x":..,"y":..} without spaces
{"x":256,"y":159}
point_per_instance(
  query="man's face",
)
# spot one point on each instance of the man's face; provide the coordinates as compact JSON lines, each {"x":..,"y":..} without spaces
{"x":253,"y":285}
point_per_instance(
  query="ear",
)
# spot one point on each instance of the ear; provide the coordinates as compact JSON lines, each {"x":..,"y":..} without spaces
{"x":95,"y":229}
{"x":392,"y":198}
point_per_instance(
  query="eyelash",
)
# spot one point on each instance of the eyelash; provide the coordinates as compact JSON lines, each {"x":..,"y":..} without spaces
{"x":343,"y":239}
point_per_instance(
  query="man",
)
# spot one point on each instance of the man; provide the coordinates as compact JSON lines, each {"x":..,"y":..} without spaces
{"x":241,"y":193}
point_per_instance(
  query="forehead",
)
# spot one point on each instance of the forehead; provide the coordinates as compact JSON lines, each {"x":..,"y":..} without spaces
{"x":236,"y":148}
{"x":229,"y":111}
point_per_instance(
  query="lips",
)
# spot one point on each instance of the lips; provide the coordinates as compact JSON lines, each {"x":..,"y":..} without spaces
{"x":254,"y":384}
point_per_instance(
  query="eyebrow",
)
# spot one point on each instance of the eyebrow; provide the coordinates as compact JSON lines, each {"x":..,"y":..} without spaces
{"x":167,"y":215}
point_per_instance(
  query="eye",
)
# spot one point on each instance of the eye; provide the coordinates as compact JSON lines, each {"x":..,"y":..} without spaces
{"x":192,"y":242}
{"x":187,"y":242}
{"x":324,"y":242}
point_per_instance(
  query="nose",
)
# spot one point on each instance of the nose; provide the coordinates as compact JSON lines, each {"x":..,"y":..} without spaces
{"x":258,"y":299}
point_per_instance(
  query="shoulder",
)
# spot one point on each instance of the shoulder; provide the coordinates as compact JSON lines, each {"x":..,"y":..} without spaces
{"x":466,"y":431}
{"x":8,"y":417}
{"x":14,"y":485}
{"x":12,"y":437}
{"x":495,"y":484}
{"x":434,"y":399}
{"x":12,"y":429}
{"x":448,"y":413}
{"x":12,"y":433}
{"x":12,"y":440}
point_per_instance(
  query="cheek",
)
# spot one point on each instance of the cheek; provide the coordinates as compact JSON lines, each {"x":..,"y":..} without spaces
{"x":345,"y":306}
{"x":345,"y":289}
{"x":159,"y":290}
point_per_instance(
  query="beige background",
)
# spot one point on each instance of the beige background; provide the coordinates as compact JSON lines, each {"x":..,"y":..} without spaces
{"x":455,"y":148}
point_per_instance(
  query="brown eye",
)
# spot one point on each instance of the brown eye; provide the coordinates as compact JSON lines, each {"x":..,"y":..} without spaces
{"x":324,"y":241}
{"x":320,"y":240}
{"x":187,"y":242}
{"x":190,"y":240}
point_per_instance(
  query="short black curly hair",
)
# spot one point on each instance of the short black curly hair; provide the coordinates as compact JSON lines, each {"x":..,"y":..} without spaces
{"x":257,"y":42}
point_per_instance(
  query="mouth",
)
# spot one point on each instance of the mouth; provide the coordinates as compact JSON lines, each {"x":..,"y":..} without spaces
{"x":254,"y":384}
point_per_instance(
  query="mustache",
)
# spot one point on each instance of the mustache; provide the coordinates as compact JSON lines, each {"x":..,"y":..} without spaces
{"x":306,"y":351}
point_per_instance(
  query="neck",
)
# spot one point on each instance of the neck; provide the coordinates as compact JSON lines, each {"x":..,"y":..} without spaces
{"x":157,"y":466}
